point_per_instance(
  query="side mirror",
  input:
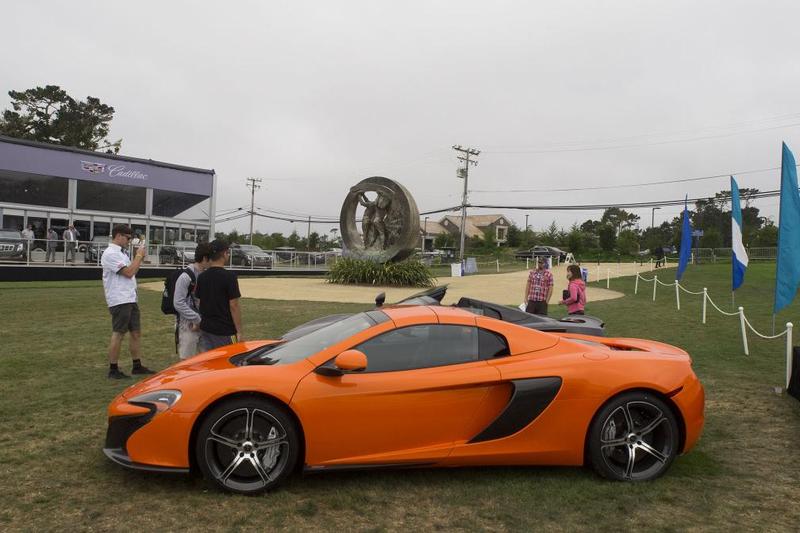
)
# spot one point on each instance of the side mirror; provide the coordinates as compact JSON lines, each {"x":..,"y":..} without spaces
{"x":351,"y":360}
{"x":348,"y":360}
{"x":380,"y":299}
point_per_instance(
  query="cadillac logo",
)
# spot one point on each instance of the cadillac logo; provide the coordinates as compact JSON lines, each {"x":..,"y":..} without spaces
{"x":93,"y":168}
{"x":389,"y":225}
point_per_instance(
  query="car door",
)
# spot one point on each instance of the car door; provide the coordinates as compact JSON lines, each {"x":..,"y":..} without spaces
{"x":421,"y":392}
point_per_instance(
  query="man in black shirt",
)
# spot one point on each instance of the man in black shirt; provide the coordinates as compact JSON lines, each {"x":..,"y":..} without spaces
{"x":218,"y":292}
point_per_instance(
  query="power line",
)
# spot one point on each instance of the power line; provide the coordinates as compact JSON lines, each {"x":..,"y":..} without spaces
{"x":621,"y":205}
{"x":626,"y":185}
{"x":567,"y":144}
{"x":636,"y":145}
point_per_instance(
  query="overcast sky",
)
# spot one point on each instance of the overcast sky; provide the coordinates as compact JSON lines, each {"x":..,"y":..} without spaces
{"x":315,"y":96}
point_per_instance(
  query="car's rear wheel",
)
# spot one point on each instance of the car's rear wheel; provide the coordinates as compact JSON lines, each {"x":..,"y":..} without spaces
{"x":247,"y":445}
{"x":634,"y":437}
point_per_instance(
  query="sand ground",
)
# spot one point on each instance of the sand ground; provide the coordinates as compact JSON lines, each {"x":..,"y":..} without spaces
{"x":501,"y":288}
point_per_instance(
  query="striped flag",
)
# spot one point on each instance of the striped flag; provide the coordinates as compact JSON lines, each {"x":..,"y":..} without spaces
{"x":739,"y":253}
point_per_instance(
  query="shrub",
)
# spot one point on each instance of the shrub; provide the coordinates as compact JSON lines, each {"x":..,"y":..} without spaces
{"x":409,"y":273}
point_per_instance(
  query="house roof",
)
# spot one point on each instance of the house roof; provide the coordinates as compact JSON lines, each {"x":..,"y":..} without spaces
{"x":432,"y":227}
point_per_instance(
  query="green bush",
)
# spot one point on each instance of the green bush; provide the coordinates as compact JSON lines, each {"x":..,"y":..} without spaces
{"x":409,"y":273}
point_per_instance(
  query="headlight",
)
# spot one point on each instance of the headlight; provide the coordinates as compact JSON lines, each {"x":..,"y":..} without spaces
{"x":161,"y":399}
{"x":19,"y":247}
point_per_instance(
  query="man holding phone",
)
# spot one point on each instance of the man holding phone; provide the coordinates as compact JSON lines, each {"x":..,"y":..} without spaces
{"x":119,"y":285}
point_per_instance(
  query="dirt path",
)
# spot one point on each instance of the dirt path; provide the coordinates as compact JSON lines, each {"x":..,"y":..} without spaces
{"x":501,"y":288}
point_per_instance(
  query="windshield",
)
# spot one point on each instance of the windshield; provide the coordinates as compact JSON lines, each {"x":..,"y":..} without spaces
{"x":318,"y":340}
{"x":103,"y":238}
{"x":9,"y":235}
{"x":185,"y":244}
{"x":250,"y":248}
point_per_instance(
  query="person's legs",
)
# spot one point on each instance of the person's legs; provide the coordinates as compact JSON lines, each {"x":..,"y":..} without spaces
{"x":135,"y":344}
{"x":114,"y":347}
{"x":187,"y":340}
{"x":136,"y":341}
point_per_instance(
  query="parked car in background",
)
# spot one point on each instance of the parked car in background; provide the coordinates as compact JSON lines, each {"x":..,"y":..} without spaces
{"x":285,"y":253}
{"x":250,"y":255}
{"x":177,"y":253}
{"x":12,"y":245}
{"x":541,"y":251}
{"x":94,"y":250}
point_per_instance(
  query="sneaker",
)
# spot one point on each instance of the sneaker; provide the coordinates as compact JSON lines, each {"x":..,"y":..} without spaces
{"x":117,"y":374}
{"x":142,"y":370}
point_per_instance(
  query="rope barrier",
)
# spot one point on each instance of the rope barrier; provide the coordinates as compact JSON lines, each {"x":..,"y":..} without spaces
{"x":687,"y":291}
{"x":718,"y":309}
{"x":744,"y":323}
{"x":754,"y":330}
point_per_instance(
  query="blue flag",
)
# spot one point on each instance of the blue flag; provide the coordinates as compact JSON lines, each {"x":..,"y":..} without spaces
{"x":739,"y":253}
{"x":787,"y":272}
{"x":686,"y":241}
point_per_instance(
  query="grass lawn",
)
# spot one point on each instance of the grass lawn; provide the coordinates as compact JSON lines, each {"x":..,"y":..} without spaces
{"x":743,"y":475}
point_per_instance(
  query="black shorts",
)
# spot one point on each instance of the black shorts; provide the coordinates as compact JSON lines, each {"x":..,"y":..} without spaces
{"x":536,"y":307}
{"x":125,"y":318}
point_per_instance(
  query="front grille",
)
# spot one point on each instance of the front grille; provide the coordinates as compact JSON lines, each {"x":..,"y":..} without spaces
{"x":6,"y":247}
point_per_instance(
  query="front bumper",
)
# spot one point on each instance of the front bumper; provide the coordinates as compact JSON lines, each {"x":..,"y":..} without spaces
{"x":119,"y":456}
{"x":140,"y":438}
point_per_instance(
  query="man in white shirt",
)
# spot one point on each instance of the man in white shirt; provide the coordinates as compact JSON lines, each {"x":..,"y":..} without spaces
{"x":70,"y":242}
{"x":28,"y":235}
{"x":119,"y":285}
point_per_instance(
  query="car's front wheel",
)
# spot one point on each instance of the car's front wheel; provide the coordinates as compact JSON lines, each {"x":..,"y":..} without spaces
{"x":634,"y":437}
{"x":247,"y":445}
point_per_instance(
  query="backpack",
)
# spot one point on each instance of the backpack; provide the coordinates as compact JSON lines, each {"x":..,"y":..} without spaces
{"x":168,"y":295}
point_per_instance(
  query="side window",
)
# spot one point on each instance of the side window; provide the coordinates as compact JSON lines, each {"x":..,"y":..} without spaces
{"x":492,"y":344}
{"x":421,"y":346}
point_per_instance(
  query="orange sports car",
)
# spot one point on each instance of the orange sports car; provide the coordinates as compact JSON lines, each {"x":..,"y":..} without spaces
{"x":408,"y":386}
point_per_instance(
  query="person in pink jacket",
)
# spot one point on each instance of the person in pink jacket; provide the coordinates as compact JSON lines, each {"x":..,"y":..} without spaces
{"x":575,"y":295}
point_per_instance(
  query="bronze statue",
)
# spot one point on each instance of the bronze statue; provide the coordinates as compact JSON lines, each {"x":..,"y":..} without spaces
{"x":389,"y":225}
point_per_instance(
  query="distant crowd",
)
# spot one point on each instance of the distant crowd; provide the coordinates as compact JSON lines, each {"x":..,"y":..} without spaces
{"x":204,"y":297}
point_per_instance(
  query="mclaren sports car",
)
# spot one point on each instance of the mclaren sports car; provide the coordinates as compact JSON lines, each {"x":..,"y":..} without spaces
{"x":411,"y":386}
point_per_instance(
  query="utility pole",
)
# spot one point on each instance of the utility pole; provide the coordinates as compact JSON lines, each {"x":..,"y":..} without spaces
{"x":526,"y":223}
{"x":653,"y":217}
{"x":308,"y":234}
{"x":252,"y":184}
{"x":464,"y":174}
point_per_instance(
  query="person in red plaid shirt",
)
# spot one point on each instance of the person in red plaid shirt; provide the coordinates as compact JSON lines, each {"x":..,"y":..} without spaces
{"x":539,"y":288}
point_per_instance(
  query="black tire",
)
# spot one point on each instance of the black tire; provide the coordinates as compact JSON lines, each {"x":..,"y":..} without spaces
{"x":634,"y":437}
{"x":236,"y":461}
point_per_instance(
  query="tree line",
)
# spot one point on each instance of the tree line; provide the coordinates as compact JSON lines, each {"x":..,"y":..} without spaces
{"x":618,"y":231}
